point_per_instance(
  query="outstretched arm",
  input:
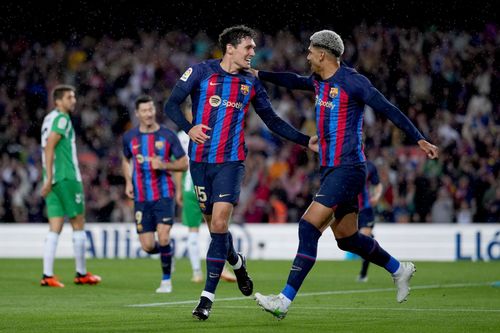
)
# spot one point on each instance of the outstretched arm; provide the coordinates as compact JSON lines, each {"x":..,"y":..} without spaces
{"x":281,"y":127}
{"x":380,"y":104}
{"x":285,"y":79}
{"x":273,"y":122}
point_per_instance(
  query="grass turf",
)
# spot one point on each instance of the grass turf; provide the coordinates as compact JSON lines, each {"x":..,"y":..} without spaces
{"x":446,"y":297}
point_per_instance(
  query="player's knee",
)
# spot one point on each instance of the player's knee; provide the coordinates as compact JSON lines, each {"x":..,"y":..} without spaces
{"x":149,"y":248}
{"x":348,"y":243}
{"x":218,"y":225}
{"x":163,"y":241}
{"x":343,"y":210}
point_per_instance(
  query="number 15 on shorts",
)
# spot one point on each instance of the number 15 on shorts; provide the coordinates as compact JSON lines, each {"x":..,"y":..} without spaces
{"x":200,"y":193}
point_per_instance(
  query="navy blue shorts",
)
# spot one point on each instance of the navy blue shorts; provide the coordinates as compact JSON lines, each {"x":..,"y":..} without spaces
{"x":340,"y":187}
{"x":216,"y":182}
{"x":366,"y":218}
{"x":148,"y":214}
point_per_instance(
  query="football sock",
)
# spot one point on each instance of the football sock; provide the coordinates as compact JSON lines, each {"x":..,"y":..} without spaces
{"x":232,"y":257}
{"x":194,"y":251}
{"x":364,"y":268}
{"x":368,"y":249}
{"x":49,"y":253}
{"x":304,"y":260}
{"x":79,"y":238}
{"x":166,"y":260}
{"x":216,"y":258}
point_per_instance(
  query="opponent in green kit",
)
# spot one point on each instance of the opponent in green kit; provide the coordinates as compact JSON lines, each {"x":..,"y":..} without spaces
{"x":62,"y":188}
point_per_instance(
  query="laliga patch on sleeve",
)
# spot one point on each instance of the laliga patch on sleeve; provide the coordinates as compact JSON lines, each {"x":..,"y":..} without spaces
{"x":186,"y":74}
{"x":61,"y":124}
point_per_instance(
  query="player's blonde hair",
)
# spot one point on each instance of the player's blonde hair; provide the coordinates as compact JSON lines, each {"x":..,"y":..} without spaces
{"x":329,"y":40}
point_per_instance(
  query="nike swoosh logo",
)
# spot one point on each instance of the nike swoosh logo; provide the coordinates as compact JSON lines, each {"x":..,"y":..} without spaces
{"x":320,"y":195}
{"x":166,"y":219}
{"x":135,"y":146}
{"x":296,"y":268}
{"x":214,"y":83}
{"x":224,"y":195}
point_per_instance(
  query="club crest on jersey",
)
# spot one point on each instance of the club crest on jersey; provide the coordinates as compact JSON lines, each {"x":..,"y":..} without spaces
{"x":245,"y":89}
{"x":159,"y":144}
{"x":215,"y":101}
{"x":140,"y":158}
{"x":334,"y":92}
{"x":186,"y":74}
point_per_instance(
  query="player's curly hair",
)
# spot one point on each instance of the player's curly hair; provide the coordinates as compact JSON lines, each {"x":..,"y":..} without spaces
{"x":233,"y":35}
{"x":328,"y":40}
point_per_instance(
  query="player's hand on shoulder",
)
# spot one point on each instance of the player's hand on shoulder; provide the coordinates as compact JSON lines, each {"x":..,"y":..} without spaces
{"x":313,"y":143}
{"x":254,"y":72}
{"x":197,"y":133}
{"x":431,"y":150}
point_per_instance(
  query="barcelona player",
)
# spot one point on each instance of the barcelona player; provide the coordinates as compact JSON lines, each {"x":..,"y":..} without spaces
{"x":150,"y":154}
{"x":221,"y":92}
{"x":341,"y":95}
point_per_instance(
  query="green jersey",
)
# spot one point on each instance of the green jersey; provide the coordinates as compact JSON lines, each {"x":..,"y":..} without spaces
{"x":65,"y":159}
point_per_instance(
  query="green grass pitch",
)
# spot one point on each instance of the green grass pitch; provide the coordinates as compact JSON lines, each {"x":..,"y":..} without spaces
{"x":445,"y":297}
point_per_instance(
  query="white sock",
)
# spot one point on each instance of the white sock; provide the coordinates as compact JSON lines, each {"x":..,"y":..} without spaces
{"x":79,"y":238}
{"x":194,"y":251}
{"x":208,"y":295}
{"x":238,"y":263}
{"x":286,"y":300}
{"x":49,"y":253}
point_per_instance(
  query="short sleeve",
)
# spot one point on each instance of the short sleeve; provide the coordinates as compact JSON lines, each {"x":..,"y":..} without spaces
{"x":190,"y":78}
{"x":126,"y":148}
{"x":60,"y":125}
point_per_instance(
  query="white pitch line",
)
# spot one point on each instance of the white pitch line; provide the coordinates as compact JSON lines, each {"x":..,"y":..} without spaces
{"x":370,"y":309}
{"x":320,"y":293}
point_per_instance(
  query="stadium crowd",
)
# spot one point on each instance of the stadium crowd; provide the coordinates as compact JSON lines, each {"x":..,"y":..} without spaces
{"x":446,"y":82}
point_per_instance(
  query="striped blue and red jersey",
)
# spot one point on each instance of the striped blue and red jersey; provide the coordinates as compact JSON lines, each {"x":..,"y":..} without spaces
{"x":372,"y":179}
{"x":339,"y":106}
{"x":221,"y":101}
{"x":140,"y":148}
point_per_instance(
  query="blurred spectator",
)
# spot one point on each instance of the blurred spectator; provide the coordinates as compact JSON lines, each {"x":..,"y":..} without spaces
{"x":447,"y":82}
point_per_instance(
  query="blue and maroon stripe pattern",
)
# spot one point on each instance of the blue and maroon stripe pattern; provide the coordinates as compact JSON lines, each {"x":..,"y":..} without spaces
{"x":149,"y":184}
{"x":222,"y":104}
{"x":339,"y":126}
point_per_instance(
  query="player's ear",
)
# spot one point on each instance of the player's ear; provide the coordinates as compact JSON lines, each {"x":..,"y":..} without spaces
{"x":229,"y":48}
{"x":322,"y":55}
